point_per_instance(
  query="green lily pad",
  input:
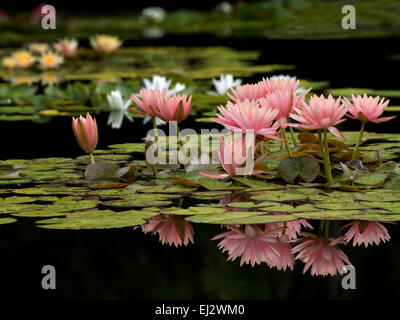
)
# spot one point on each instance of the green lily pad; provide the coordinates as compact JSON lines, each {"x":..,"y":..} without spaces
{"x":370,"y":178}
{"x":213,"y":184}
{"x":306,"y":168}
{"x":7,"y":220}
{"x":104,"y":171}
{"x":104,"y":219}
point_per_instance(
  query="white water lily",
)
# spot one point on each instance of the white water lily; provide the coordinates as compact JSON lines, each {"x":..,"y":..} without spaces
{"x":161,"y":83}
{"x":299,"y":89}
{"x":225,"y":82}
{"x":119,"y":109}
{"x":153,"y":15}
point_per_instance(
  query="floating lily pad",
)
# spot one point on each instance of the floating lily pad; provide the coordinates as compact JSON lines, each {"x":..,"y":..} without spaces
{"x":213,"y":184}
{"x":104,"y":219}
{"x":370,"y":178}
{"x":104,"y":171}
{"x":306,"y":168}
{"x":7,"y":220}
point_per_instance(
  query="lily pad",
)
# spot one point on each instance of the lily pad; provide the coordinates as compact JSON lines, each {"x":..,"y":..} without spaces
{"x":104,"y":171}
{"x":305,"y":167}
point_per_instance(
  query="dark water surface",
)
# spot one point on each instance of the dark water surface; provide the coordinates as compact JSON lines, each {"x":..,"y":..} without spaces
{"x":125,"y":263}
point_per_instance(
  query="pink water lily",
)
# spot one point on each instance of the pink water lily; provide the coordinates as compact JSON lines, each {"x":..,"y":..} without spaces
{"x":236,"y":157}
{"x":174,"y":108}
{"x":85,"y":131}
{"x":248,"y":92}
{"x":321,"y":255}
{"x":171,"y":229}
{"x":156,"y":103}
{"x":366,"y":232}
{"x":248,"y":115}
{"x":281,"y":84}
{"x":366,"y":108}
{"x":320,"y":113}
{"x":149,"y":101}
{"x":284,"y":102}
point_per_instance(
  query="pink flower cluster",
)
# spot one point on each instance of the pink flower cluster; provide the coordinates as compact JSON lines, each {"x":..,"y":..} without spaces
{"x":256,"y":106}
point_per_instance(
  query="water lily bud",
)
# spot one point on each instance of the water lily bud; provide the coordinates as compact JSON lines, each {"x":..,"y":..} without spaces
{"x":85,"y":131}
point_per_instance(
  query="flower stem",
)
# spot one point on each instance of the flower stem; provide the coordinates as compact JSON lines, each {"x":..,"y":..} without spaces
{"x":321,"y":227}
{"x":180,"y":143}
{"x":262,"y":150}
{"x":327,"y":161}
{"x":91,"y":158}
{"x":292,"y":134}
{"x":326,"y":230}
{"x":153,"y":167}
{"x":286,"y":142}
{"x":359,"y":140}
{"x":153,"y":119}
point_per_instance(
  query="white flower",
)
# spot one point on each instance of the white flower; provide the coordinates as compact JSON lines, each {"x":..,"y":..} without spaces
{"x":225,"y":7}
{"x":160,"y":83}
{"x":159,"y":122}
{"x":119,"y":109}
{"x":153,"y":14}
{"x":299,"y":89}
{"x":224,"y":83}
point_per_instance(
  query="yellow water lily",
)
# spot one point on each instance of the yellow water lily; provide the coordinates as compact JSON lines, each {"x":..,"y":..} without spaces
{"x":23,"y":59}
{"x":105,"y":43}
{"x":50,"y":60}
{"x":38,"y":47}
{"x":8,"y":62}
{"x":49,"y":79}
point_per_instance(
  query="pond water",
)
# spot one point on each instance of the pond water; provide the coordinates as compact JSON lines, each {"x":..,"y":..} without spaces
{"x":108,"y":257}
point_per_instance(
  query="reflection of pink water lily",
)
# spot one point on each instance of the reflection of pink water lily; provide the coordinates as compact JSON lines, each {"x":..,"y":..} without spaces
{"x":236,"y":158}
{"x":252,"y":244}
{"x":290,"y":229}
{"x":366,"y":232}
{"x":321,"y":255}
{"x":293,"y":228}
{"x":256,"y":244}
{"x":286,"y":258}
{"x":171,"y":229}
